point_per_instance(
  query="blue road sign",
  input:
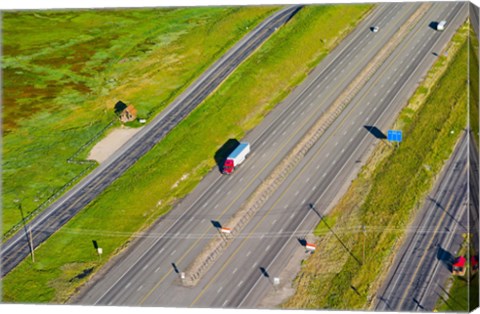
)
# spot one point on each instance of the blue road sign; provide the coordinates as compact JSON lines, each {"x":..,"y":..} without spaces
{"x":394,"y":135}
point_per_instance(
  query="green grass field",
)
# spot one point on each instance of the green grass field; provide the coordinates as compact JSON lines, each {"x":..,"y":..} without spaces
{"x":155,"y":182}
{"x":63,"y":71}
{"x":385,"y":195}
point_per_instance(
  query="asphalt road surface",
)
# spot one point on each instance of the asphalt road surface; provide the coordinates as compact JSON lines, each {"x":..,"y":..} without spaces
{"x":148,"y":272}
{"x":15,"y":249}
{"x":420,"y":272}
{"x":474,"y":18}
{"x":331,"y":164}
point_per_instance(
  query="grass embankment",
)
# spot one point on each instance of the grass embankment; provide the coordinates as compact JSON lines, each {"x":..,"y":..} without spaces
{"x":177,"y":164}
{"x":384,"y":197}
{"x":63,"y":72}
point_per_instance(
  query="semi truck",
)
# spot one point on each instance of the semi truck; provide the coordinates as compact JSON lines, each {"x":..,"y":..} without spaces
{"x":236,"y":157}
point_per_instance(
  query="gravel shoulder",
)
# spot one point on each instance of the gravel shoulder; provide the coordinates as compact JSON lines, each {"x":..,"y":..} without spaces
{"x":113,"y":141}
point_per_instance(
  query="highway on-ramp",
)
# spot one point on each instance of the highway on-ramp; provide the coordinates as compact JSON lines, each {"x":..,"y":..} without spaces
{"x":148,"y":272}
{"x":16,"y":248}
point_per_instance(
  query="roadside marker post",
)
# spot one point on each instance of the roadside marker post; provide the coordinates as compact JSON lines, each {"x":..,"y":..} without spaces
{"x":226,"y":230}
{"x":310,"y":247}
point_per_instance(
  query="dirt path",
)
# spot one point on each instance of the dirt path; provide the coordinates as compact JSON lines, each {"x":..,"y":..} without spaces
{"x":113,"y":141}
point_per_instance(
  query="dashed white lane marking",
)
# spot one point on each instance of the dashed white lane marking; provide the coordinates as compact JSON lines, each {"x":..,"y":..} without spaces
{"x":314,"y":187}
{"x":146,"y":266}
{"x":274,"y":221}
{"x":173,"y":252}
{"x":267,"y":248}
{"x":318,"y":166}
{"x":225,"y":303}
{"x":216,"y":206}
{"x":217,"y":191}
{"x":296,"y":193}
{"x":220,"y":289}
{"x":240,"y":283}
{"x":304,"y":200}
{"x":157,"y":270}
{"x":128,"y":285}
{"x":140,"y":288}
{"x":248,"y":254}
{"x":234,"y":271}
{"x":202,"y":220}
{"x":292,"y":215}
{"x":324,"y":174}
{"x":161,"y":250}
{"x":255,"y":265}
{"x":308,"y":179}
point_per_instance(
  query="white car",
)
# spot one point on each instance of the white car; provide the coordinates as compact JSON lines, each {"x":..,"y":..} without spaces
{"x":375,"y":29}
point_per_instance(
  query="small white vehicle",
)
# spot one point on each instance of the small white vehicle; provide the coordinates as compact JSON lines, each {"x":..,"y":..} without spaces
{"x":441,"y":25}
{"x":375,"y":29}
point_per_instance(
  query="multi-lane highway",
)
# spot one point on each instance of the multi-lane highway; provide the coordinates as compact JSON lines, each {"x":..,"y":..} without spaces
{"x":15,"y":249}
{"x":329,"y":165}
{"x":148,"y":272}
{"x":420,"y":272}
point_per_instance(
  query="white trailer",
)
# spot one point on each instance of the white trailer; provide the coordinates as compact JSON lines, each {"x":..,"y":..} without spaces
{"x":236,"y":157}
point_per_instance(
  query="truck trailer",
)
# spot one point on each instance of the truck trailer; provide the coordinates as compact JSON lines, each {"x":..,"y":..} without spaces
{"x":236,"y":157}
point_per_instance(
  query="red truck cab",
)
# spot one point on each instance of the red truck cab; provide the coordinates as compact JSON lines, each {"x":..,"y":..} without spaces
{"x":228,"y":166}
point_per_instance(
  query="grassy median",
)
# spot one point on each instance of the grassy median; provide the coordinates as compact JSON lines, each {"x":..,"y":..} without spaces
{"x":352,"y":260}
{"x":174,"y":166}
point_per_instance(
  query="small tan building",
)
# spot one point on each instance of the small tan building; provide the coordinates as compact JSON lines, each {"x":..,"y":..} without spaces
{"x":125,"y":113}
